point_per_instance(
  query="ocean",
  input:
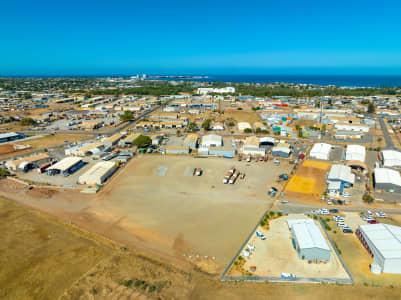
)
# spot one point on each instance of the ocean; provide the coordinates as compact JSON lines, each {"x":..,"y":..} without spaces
{"x":338,"y":80}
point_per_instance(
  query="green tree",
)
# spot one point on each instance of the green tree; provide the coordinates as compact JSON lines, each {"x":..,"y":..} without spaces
{"x":126,"y":116}
{"x":371,"y":108}
{"x":192,"y":126}
{"x":142,"y":141}
{"x":206,"y":124}
{"x":248,"y":130}
{"x":27,"y":122}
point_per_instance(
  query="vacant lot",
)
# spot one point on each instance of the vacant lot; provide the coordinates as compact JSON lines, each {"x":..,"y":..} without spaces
{"x":309,"y":181}
{"x":276,"y":254}
{"x":40,"y":257}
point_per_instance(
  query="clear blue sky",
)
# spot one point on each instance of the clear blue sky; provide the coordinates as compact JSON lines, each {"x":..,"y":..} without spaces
{"x":211,"y":37}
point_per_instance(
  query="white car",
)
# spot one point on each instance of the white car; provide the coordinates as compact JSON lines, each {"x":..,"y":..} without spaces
{"x":341,"y":224}
{"x":345,"y":194}
{"x":328,"y":202}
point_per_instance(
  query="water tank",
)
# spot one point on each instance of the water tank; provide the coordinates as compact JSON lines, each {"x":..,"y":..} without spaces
{"x":375,"y":269}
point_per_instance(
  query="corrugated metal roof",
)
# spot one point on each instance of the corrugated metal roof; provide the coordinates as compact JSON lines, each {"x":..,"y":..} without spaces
{"x":341,"y":172}
{"x":384,"y":175}
{"x":308,"y":234}
{"x":65,"y":163}
{"x":355,"y":152}
{"x":386,"y":238}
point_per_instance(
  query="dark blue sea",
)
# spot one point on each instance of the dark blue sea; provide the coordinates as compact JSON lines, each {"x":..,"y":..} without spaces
{"x":338,"y":80}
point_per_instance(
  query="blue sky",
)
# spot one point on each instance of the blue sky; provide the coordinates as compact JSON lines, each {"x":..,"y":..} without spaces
{"x":209,"y":37}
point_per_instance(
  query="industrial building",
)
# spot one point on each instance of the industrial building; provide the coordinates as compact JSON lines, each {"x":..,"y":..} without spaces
{"x":281,"y":150}
{"x":177,"y":150}
{"x":339,"y":176}
{"x":308,"y":240}
{"x":11,"y":136}
{"x":212,"y":140}
{"x":28,"y":162}
{"x":85,"y":149}
{"x":129,"y":140}
{"x":383,"y":243}
{"x":391,"y":158}
{"x":351,"y":127}
{"x":266,"y":141}
{"x":99,"y":173}
{"x":252,"y":146}
{"x":66,"y":166}
{"x":227,"y":151}
{"x":112,"y":140}
{"x":191,"y":141}
{"x":355,"y":152}
{"x":320,"y":151}
{"x":387,"y":180}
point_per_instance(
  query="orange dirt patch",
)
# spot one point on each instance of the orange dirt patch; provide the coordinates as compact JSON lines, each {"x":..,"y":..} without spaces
{"x":309,"y":181}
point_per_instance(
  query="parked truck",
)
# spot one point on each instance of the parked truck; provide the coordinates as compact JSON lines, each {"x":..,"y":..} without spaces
{"x":234,"y":177}
{"x":227,"y":177}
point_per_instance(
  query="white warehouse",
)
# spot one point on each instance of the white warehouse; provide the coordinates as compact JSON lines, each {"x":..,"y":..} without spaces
{"x":383,"y":243}
{"x":212,"y":140}
{"x":99,"y":173}
{"x":355,"y":152}
{"x":391,"y":158}
{"x":320,"y":151}
{"x":308,"y":240}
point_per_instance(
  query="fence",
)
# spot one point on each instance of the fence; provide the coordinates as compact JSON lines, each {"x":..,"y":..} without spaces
{"x":225,"y":277}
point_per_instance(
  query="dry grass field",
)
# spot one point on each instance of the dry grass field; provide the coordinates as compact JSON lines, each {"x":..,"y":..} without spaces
{"x":249,"y":116}
{"x":309,"y":181}
{"x":43,"y":258}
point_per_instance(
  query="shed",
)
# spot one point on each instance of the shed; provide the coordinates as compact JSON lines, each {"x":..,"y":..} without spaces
{"x":212,"y":140}
{"x":355,"y":152}
{"x":320,"y":151}
{"x":66,"y":166}
{"x":177,"y":150}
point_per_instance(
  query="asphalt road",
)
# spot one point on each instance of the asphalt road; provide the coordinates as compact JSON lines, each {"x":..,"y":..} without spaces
{"x":386,"y":135}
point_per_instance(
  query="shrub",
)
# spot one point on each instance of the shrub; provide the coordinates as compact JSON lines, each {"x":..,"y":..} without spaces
{"x":262,"y":223}
{"x":279,"y":213}
{"x":127,"y":283}
{"x":152,"y":289}
{"x":271,"y":213}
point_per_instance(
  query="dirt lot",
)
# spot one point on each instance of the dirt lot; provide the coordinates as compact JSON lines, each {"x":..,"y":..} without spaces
{"x":309,"y":181}
{"x":276,"y":255}
{"x":200,"y":215}
{"x":46,"y":142}
{"x":242,"y":115}
{"x":42,"y":258}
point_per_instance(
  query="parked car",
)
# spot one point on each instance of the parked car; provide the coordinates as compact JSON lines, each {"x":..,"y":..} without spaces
{"x":333,"y":210}
{"x":284,"y":201}
{"x":347,"y":230}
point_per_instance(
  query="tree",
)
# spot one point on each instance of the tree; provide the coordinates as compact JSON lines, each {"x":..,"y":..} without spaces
{"x":371,"y":108}
{"x":27,"y":96}
{"x":142,"y":141}
{"x":178,"y":132}
{"x":207,"y":124}
{"x":248,"y":130}
{"x":192,"y":126}
{"x":126,"y":116}
{"x":27,"y":122}
{"x":231,"y":124}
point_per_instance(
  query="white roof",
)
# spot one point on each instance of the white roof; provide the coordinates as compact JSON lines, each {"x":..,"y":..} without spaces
{"x":384,"y":175}
{"x":212,"y":139}
{"x":334,"y":185}
{"x":244,"y":125}
{"x":391,"y":158}
{"x":320,"y":148}
{"x":386,"y":238}
{"x":355,"y":152}
{"x":308,"y":234}
{"x":341,"y":172}
{"x":97,"y":171}
{"x":267,"y":139}
{"x":65,"y":163}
